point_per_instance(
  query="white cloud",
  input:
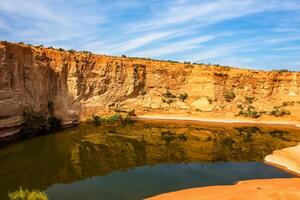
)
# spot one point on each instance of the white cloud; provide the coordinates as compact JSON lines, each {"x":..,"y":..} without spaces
{"x":139,"y":42}
{"x":46,"y":22}
{"x":179,"y":29}
{"x":174,"y":47}
{"x":211,"y":12}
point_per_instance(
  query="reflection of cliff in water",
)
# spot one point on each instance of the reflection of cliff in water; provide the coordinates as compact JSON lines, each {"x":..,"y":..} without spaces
{"x":87,"y":151}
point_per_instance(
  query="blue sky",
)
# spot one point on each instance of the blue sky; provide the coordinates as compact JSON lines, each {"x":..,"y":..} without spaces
{"x":260,"y":34}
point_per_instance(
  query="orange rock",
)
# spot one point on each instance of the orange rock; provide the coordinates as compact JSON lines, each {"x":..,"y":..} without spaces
{"x":82,"y":84}
{"x":267,"y":189}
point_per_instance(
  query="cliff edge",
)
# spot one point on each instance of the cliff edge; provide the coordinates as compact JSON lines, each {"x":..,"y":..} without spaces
{"x":81,"y":84}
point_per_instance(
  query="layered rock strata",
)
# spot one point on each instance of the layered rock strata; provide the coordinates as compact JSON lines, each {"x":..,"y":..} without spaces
{"x":81,"y":84}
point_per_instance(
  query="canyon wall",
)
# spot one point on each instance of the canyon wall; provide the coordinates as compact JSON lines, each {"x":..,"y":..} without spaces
{"x":83,"y":84}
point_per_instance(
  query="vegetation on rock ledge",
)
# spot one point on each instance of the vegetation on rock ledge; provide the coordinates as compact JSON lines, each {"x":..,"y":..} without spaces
{"x":250,"y":111}
{"x":36,"y":123}
{"x":183,"y":96}
{"x":23,"y":194}
{"x":117,"y":117}
{"x":229,"y":95}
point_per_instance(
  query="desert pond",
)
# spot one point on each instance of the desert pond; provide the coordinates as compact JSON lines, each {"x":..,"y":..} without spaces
{"x":139,"y":160}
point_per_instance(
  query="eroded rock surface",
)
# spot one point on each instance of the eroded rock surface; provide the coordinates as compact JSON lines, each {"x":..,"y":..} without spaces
{"x":83,"y":84}
{"x":265,"y":189}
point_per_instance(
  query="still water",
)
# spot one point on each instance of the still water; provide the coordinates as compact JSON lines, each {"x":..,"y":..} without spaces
{"x":136,"y":161}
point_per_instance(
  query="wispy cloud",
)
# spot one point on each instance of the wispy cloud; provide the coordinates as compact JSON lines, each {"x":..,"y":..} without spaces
{"x":139,"y":42}
{"x":42,"y":22}
{"x":175,"y":47}
{"x":251,"y":32}
{"x":210,"y":12}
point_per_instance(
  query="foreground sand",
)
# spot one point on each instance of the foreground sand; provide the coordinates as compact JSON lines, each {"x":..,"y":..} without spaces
{"x":264,"y":189}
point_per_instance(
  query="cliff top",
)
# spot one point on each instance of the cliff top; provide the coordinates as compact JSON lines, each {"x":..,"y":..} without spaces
{"x":139,"y":60}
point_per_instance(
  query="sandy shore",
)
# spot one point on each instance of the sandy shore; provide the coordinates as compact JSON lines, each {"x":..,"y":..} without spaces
{"x":287,"y":159}
{"x":293,"y":124}
{"x":263,"y":189}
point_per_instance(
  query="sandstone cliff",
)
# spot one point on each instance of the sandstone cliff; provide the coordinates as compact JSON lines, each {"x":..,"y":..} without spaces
{"x":82,"y":84}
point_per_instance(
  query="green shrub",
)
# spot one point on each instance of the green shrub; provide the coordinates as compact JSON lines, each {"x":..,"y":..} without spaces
{"x":249,"y":113}
{"x":127,"y":120}
{"x":60,"y":49}
{"x":250,"y":110}
{"x":210,"y":100}
{"x":114,"y":118}
{"x":168,"y":136}
{"x":131,"y":113}
{"x":143,"y":92}
{"x":209,"y":139}
{"x":282,"y":70}
{"x":54,"y":123}
{"x":50,"y":107}
{"x":169,"y":101}
{"x":34,"y":122}
{"x":250,"y":99}
{"x":240,"y":106}
{"x":86,"y":52}
{"x":97,"y":119}
{"x":279,"y":112}
{"x":183,"y":96}
{"x":71,"y":51}
{"x":168,"y":94}
{"x":288,"y":103}
{"x":229,"y":95}
{"x":23,"y":194}
{"x":182,"y":137}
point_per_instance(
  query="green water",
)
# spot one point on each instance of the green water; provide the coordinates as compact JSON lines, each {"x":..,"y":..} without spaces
{"x":140,"y":160}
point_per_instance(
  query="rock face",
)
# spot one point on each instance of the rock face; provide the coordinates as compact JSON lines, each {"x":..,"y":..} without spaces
{"x":83,"y":84}
{"x":262,"y":189}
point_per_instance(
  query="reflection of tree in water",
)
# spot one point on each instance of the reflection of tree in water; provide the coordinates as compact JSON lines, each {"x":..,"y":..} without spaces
{"x":249,"y":144}
{"x":168,"y":136}
{"x":172,"y":150}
